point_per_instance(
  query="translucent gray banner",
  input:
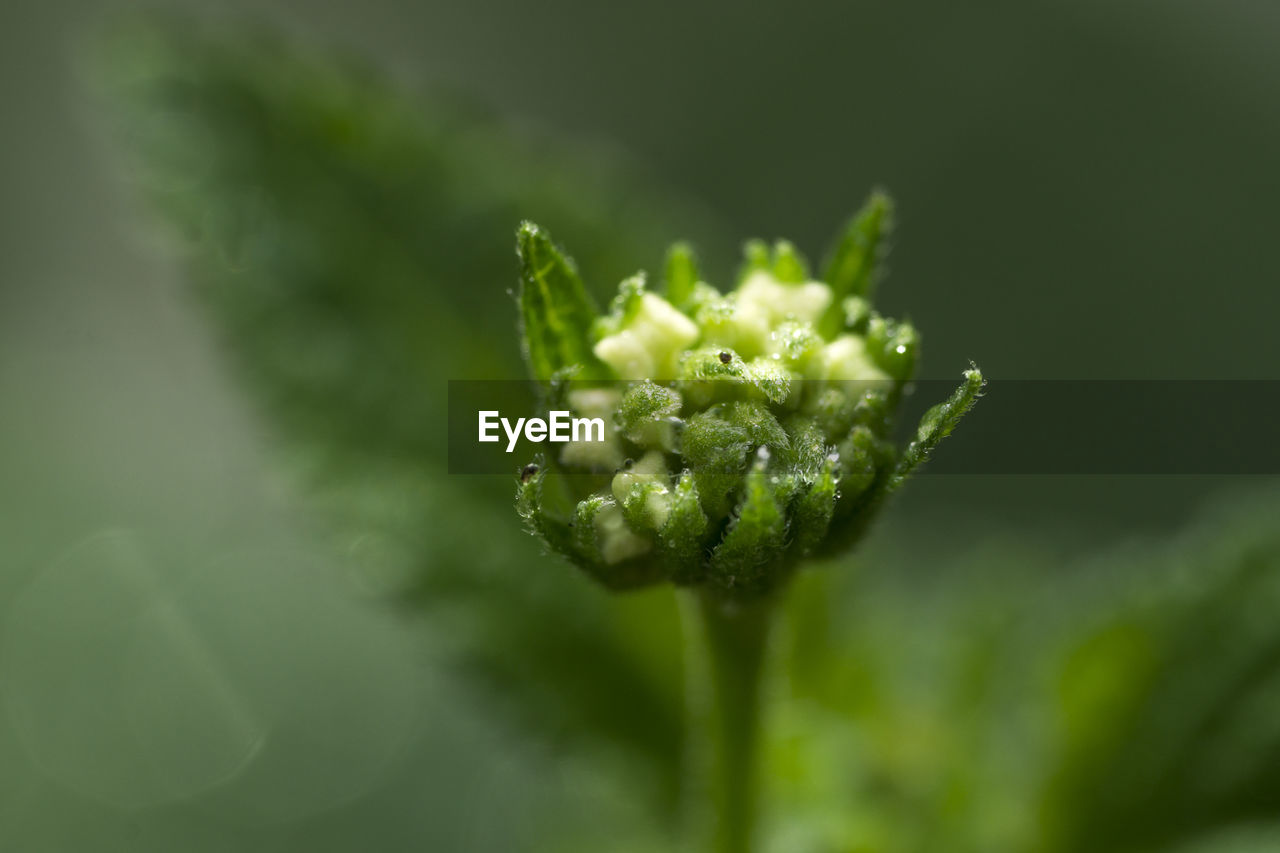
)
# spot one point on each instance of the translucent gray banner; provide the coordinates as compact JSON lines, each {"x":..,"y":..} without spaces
{"x":1020,"y":427}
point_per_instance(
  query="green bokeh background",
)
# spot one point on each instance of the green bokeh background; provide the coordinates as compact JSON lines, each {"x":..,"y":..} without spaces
{"x":1086,"y":190}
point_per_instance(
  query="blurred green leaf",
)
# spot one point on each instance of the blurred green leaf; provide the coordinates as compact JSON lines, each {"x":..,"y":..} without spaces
{"x":1012,"y":702}
{"x":1169,"y":710}
{"x":352,"y":244}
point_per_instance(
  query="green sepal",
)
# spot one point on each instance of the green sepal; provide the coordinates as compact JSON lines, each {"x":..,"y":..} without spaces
{"x":590,"y":550}
{"x":586,"y":539}
{"x":707,"y":377}
{"x":893,"y":346}
{"x":556,"y":313}
{"x":857,"y":314}
{"x":936,"y":425}
{"x":554,"y":530}
{"x":640,"y":488}
{"x":858,"y":458}
{"x":833,"y":411}
{"x":799,"y":346}
{"x":813,"y":509}
{"x":759,"y":424}
{"x":646,"y":415}
{"x":622,"y":309}
{"x":854,"y":264}
{"x":876,"y":407}
{"x":635,"y":506}
{"x":746,"y":562}
{"x":682,"y":540}
{"x":806,"y":449}
{"x":681,"y":275}
{"x":755,"y":258}
{"x":769,"y":378}
{"x":716,"y":452}
{"x":788,"y":264}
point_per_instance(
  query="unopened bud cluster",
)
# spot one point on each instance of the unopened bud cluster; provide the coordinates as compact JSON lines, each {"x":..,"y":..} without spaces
{"x":745,"y":431}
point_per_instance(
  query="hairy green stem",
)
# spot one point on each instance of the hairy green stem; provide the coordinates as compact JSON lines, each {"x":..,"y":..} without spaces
{"x":727,"y":656}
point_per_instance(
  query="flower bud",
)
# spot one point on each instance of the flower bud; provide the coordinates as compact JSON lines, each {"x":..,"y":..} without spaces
{"x":746,"y":431}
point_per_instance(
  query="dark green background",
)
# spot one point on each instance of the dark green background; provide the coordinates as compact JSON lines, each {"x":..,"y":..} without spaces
{"x":1086,"y":190}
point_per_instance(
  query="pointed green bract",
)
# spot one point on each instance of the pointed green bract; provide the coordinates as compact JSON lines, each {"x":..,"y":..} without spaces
{"x":755,"y":257}
{"x":648,"y":414}
{"x":788,"y":264}
{"x":937,"y":424}
{"x":624,"y":307}
{"x":586,"y":536}
{"x":707,"y":377}
{"x":682,"y":275}
{"x":894,"y":346}
{"x":555,"y":310}
{"x":814,"y":510}
{"x":683,"y":537}
{"x":742,"y":563}
{"x":853,"y":266}
{"x":716,"y":451}
{"x":859,"y":458}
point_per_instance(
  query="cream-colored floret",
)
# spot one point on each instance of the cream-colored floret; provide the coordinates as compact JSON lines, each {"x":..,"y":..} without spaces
{"x":758,"y":307}
{"x":652,"y":468}
{"x":846,"y":358}
{"x":627,"y":354}
{"x":743,"y":328}
{"x":594,"y":403}
{"x":777,"y":301}
{"x":652,"y":342}
{"x":617,"y":542}
{"x":657,"y":505}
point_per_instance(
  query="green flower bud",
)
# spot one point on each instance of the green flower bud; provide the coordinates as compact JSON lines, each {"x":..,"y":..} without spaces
{"x":746,"y":431}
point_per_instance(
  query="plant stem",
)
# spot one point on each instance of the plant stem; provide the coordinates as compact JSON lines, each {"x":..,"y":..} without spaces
{"x":732,"y":638}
